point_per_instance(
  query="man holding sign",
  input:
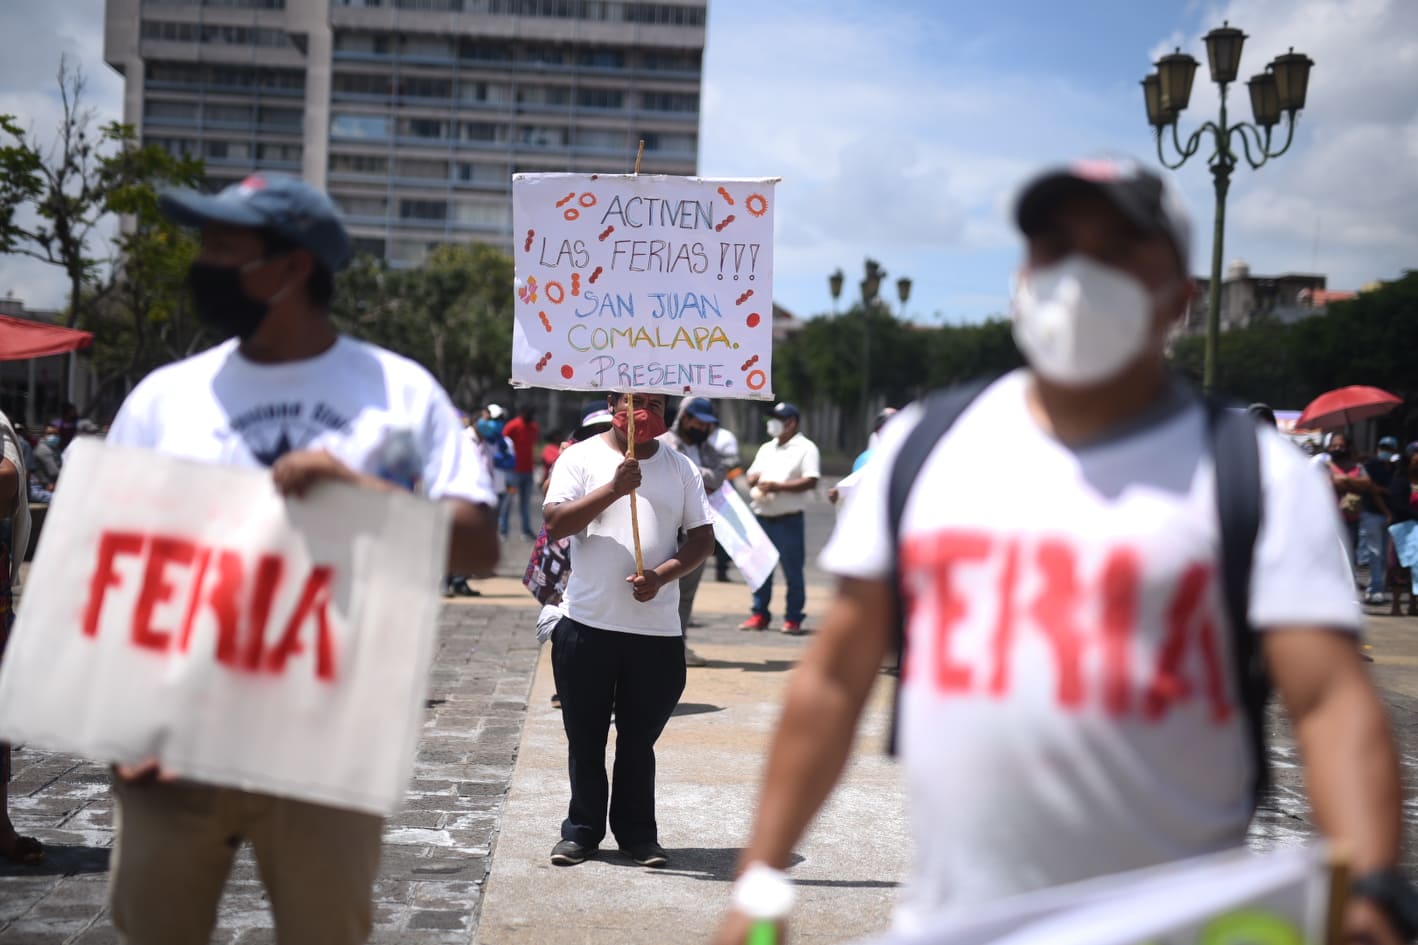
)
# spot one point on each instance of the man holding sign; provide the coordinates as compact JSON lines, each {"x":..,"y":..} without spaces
{"x":287,"y":392}
{"x":620,"y":648}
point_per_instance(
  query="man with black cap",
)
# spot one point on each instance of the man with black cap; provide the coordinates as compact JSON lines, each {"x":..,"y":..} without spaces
{"x":287,"y":392}
{"x":690,"y":436}
{"x":1070,"y":703}
{"x":783,"y":472}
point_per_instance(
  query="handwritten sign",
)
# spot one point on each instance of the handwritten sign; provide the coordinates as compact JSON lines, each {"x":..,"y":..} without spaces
{"x":187,"y":613}
{"x":1282,"y":898}
{"x":644,"y":282}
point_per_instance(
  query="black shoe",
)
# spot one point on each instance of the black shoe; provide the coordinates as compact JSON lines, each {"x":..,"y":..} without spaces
{"x":570,"y":853}
{"x":555,"y":700}
{"x":647,"y":854}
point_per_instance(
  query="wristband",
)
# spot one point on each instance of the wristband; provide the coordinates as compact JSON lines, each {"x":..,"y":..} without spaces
{"x":764,"y":894}
{"x":1395,"y":896}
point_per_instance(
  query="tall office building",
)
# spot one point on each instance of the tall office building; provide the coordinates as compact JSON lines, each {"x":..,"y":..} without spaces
{"x":414,"y":114}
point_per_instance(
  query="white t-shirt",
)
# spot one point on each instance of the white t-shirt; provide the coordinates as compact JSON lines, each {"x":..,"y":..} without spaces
{"x":726,"y":445}
{"x":1069,"y":706}
{"x":783,"y":462}
{"x":670,"y":501}
{"x":378,"y":413}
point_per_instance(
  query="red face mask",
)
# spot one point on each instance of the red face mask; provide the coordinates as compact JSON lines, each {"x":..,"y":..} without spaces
{"x":647,"y":425}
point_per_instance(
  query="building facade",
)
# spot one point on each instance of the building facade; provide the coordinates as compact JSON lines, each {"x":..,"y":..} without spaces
{"x":1246,"y":298}
{"x":414,"y":114}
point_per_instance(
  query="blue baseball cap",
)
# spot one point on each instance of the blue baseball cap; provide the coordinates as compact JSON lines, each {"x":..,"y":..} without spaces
{"x":700,"y":409}
{"x":785,"y":411}
{"x":285,"y":205}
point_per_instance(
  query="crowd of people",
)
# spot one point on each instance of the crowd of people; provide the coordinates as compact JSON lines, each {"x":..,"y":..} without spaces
{"x":1084,"y":633}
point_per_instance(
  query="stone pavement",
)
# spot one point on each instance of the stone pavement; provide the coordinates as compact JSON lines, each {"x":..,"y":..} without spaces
{"x":461,"y":831}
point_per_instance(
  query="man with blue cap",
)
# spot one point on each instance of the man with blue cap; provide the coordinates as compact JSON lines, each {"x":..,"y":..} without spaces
{"x":285,"y":391}
{"x":690,"y":436}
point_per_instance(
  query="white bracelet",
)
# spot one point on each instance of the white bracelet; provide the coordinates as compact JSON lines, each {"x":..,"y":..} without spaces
{"x":764,"y":893}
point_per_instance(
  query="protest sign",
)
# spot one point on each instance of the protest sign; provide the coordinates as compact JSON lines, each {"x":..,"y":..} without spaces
{"x":642,"y":282}
{"x":1282,"y":898}
{"x":742,"y":537}
{"x":187,"y":613}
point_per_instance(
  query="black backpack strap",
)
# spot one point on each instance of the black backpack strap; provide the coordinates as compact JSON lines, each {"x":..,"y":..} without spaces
{"x":1236,"y":454}
{"x":940,"y":410}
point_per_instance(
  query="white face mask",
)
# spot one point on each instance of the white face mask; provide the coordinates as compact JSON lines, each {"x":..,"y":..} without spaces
{"x":775,"y":428}
{"x":1079,"y":322}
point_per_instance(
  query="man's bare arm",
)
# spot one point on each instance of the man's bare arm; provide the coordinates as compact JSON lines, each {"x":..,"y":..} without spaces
{"x":1351,"y":769}
{"x":825,"y":699}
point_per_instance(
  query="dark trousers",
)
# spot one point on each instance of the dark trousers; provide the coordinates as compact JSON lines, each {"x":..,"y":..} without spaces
{"x":789,"y":535}
{"x":639,"y":679}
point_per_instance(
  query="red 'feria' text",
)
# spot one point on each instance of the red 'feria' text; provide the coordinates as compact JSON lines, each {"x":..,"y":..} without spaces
{"x":930,"y":562}
{"x":239,"y":598}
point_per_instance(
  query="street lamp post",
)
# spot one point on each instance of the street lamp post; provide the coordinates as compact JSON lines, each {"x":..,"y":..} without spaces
{"x":1280,"y":88}
{"x":834,"y":285}
{"x":903,"y":292}
{"x":871,"y":286}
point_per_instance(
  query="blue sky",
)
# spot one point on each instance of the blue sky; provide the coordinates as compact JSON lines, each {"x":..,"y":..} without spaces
{"x":902,"y":128}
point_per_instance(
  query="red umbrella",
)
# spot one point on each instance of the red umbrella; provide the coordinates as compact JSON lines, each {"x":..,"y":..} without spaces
{"x":1346,"y":405}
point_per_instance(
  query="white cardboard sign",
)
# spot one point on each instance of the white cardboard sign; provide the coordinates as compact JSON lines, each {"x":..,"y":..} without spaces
{"x":641,"y":282}
{"x":736,"y":528}
{"x":1281,"y":898}
{"x":187,"y":613}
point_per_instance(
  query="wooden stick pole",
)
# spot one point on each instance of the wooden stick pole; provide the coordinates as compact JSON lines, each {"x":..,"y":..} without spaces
{"x":634,"y":512}
{"x":1338,"y":896}
{"x":638,"y":155}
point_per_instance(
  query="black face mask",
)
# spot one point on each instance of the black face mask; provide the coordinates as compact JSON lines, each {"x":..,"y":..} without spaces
{"x":1340,"y":455}
{"x":222,"y":303}
{"x":693,"y":437}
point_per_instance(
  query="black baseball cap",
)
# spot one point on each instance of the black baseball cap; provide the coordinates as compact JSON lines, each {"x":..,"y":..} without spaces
{"x":1141,"y":195}
{"x":285,"y":205}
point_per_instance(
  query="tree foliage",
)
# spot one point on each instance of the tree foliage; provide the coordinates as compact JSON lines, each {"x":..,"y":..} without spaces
{"x":453,"y":314}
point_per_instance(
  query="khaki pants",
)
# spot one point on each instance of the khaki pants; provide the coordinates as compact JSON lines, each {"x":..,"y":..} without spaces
{"x":174,"y":848}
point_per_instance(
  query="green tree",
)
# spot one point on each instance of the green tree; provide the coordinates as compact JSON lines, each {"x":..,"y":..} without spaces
{"x":453,"y":314}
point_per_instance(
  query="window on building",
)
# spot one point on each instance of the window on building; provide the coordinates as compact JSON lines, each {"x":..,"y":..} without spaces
{"x":472,"y":90}
{"x":661,"y":61}
{"x":409,"y":252}
{"x":421,"y":169}
{"x":358,"y":83}
{"x":361,"y":205}
{"x":602,"y":58}
{"x":546,"y":95}
{"x":425,"y":47}
{"x":423,"y":210}
{"x":359,"y":126}
{"x":285,"y":153}
{"x":669,"y":143}
{"x":228,"y":150}
{"x":542,"y":136}
{"x":484,"y":131}
{"x":177,"y":147}
{"x":227,"y":114}
{"x":430,"y":129}
{"x":482,"y":213}
{"x":281,"y":119}
{"x":483,"y":51}
{"x":358,"y":41}
{"x":686,"y":102}
{"x":472,"y":172}
{"x":161,"y":112}
{"x":359,"y":164}
{"x":600,"y":98}
{"x":423,"y":87}
{"x":545,"y":55}
{"x":602,"y":139}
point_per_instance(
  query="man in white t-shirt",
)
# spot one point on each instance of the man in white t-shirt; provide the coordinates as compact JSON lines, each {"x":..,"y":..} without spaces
{"x":619,"y":651}
{"x":1069,"y":708}
{"x":289,"y":393}
{"x":782,"y":475}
